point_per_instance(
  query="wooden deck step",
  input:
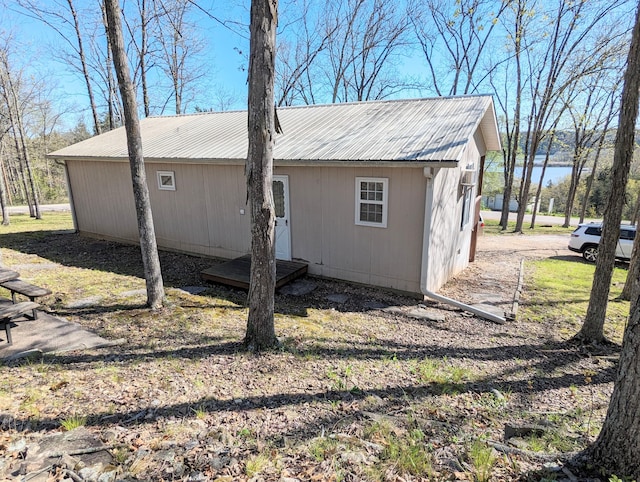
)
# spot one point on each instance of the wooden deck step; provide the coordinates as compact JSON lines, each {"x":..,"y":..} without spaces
{"x":237,"y":271}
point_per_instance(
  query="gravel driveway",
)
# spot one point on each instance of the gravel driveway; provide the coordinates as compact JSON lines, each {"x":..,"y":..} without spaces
{"x":493,"y":277}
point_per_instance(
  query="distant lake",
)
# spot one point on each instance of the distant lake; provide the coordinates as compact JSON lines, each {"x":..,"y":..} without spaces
{"x":555,"y":174}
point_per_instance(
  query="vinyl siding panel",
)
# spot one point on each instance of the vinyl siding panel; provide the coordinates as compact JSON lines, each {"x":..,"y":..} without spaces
{"x":103,"y":199}
{"x":179,"y":216}
{"x":201,"y":216}
{"x":226,"y":193}
{"x":324,"y":233}
{"x":449,"y":241}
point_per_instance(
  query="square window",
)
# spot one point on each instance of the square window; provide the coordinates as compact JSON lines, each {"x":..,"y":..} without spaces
{"x":371,"y":201}
{"x":166,"y":180}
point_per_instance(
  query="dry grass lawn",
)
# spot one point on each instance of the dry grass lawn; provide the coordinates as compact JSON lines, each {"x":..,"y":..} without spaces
{"x":355,"y":393}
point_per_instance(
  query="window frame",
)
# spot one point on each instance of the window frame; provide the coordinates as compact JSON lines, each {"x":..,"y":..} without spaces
{"x":627,"y":234}
{"x":467,"y":201}
{"x":384,"y":203}
{"x":164,"y":187}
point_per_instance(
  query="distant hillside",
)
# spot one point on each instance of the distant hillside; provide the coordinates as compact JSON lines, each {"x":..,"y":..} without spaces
{"x":564,"y":141}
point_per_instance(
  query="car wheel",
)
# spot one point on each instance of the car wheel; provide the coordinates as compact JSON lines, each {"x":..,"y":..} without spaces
{"x":590,"y":254}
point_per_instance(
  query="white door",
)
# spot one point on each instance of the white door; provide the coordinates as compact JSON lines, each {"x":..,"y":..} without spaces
{"x":281,"y":202}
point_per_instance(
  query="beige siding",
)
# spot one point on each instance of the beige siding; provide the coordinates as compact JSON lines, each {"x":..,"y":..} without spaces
{"x":324,"y":233}
{"x":103,"y":199}
{"x":449,"y":241}
{"x":226,"y":194}
{"x":179,"y":216}
{"x":201,"y":216}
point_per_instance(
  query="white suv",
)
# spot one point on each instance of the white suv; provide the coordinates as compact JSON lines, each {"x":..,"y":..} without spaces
{"x":586,"y":237}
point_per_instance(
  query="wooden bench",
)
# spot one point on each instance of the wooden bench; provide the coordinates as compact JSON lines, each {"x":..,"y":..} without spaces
{"x":25,"y":289}
{"x":8,"y":314}
{"x":8,"y":274}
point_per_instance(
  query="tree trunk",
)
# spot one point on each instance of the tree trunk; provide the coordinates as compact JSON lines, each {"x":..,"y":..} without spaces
{"x":593,"y":327}
{"x":633,"y":274}
{"x":524,"y":190}
{"x":617,"y":448}
{"x":591,"y":177}
{"x":150,"y":259}
{"x":5,"y":180}
{"x":34,"y":209}
{"x":512,"y":152}
{"x":27,"y":165}
{"x":111,"y":94}
{"x":3,"y":193}
{"x":143,"y":57}
{"x":506,"y":195}
{"x":260,"y":323}
{"x":573,"y":189}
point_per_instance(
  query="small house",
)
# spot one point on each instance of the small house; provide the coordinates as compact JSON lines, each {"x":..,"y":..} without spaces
{"x":384,"y":193}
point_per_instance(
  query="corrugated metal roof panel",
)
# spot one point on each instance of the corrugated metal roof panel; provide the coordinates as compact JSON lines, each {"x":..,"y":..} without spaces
{"x":435,"y":129}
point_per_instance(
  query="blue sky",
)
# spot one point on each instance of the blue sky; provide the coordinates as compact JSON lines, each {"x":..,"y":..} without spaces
{"x":33,"y":44}
{"x":225,"y":52}
{"x":224,"y":55}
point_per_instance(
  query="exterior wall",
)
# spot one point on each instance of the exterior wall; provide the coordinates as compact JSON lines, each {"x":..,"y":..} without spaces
{"x":324,"y":233}
{"x":103,"y":199}
{"x":449,"y":241}
{"x":202,"y":216}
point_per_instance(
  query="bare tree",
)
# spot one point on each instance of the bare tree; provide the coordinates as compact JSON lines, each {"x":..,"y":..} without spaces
{"x":611,"y":104}
{"x":593,"y":327}
{"x":113,"y":105}
{"x":516,"y":24}
{"x":453,"y":37}
{"x":148,"y":246}
{"x":260,"y":323}
{"x":178,"y":46}
{"x":62,"y":16}
{"x":536,"y":202}
{"x":364,"y":37}
{"x":298,"y":58}
{"x":141,"y":39}
{"x":560,"y":65}
{"x":590,"y":118}
{"x":11,"y":95}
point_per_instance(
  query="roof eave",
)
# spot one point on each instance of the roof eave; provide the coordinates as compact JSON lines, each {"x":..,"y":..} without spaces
{"x":276,"y":162}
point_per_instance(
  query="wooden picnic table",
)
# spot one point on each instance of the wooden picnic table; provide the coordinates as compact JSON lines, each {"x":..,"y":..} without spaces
{"x":7,"y":275}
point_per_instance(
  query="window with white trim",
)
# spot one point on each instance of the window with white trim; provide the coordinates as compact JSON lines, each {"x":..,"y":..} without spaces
{"x":166,"y":180}
{"x":372,"y":195}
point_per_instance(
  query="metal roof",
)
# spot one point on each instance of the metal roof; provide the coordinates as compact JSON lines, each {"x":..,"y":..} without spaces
{"x":415,"y":130}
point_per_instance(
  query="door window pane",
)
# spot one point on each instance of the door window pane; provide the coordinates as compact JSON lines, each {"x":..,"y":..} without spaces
{"x":278,"y":198}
